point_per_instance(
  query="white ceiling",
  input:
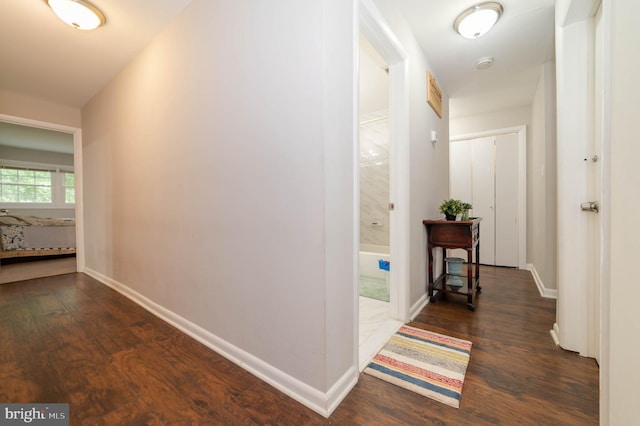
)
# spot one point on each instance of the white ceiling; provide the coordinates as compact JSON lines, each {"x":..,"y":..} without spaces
{"x":521,"y":41}
{"x":42,"y":57}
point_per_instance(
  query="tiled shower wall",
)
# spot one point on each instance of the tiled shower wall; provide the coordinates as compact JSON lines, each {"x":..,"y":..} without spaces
{"x":374,"y":179}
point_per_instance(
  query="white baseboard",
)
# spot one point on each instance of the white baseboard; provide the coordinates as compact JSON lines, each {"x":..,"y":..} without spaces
{"x":544,"y":292}
{"x":321,"y":403}
{"x":417,"y":307}
{"x":555,"y":333}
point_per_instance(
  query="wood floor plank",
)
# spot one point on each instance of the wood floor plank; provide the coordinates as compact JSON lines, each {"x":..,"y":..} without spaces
{"x":71,"y":339}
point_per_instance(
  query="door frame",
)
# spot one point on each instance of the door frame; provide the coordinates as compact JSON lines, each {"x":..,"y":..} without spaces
{"x":522,"y":180}
{"x":375,"y":28}
{"x":77,"y":170}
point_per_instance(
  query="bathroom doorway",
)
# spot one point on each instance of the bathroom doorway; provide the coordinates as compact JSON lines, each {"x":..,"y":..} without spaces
{"x":383,"y":149}
{"x":374,"y":177}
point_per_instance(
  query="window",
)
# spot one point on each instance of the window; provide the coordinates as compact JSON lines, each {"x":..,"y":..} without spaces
{"x":69,"y":187}
{"x":36,"y":185}
{"x":25,"y":186}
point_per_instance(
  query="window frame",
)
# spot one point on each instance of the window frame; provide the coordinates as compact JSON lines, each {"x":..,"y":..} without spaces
{"x":57,"y":184}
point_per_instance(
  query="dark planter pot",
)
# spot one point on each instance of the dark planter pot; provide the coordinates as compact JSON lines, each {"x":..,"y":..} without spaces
{"x":450,"y":216}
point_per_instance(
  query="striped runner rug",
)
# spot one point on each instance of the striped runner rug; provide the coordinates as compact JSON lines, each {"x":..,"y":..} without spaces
{"x":430,"y":364}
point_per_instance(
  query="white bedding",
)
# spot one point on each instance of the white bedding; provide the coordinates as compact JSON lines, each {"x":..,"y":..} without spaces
{"x":32,"y":233}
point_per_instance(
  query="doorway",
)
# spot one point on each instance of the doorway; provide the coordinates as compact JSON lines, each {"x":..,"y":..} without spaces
{"x":376,"y":33}
{"x":374,"y":182}
{"x":75,"y":133}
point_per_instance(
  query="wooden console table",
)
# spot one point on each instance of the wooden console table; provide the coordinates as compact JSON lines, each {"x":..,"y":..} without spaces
{"x":454,"y":235}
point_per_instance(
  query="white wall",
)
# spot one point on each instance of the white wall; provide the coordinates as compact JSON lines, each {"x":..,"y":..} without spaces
{"x":219,"y":185}
{"x":18,"y":105}
{"x":541,"y":181}
{"x":374,"y":145}
{"x":35,"y":156}
{"x":429,"y":163}
{"x":374,"y":182}
{"x":516,"y":116}
{"x":623,"y":326}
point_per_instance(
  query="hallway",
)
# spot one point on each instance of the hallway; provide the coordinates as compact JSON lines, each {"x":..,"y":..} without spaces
{"x":70,"y":339}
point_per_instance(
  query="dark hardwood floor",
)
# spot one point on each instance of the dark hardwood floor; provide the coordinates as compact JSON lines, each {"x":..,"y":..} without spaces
{"x":69,"y":339}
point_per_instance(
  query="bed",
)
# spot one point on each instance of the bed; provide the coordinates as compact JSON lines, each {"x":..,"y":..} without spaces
{"x":30,"y":236}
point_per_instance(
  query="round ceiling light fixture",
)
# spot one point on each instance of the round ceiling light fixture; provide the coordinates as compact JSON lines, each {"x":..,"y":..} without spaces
{"x":478,"y":20}
{"x":78,"y":14}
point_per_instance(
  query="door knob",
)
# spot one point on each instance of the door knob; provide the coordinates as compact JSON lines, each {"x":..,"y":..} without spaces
{"x":590,"y":206}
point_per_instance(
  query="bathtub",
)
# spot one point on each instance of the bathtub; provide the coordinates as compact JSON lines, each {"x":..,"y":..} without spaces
{"x":368,"y":261}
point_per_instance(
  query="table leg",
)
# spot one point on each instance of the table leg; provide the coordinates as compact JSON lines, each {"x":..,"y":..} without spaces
{"x":430,"y":273}
{"x":478,"y":266}
{"x":470,"y":280}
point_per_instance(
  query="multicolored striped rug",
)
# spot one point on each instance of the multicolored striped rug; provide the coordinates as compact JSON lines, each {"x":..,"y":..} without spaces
{"x":427,"y":363}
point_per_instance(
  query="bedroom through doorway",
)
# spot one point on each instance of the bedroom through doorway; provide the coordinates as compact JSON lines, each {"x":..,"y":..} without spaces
{"x":38,"y":190}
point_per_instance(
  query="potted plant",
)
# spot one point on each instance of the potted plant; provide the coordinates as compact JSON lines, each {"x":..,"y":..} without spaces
{"x":465,"y":210}
{"x":451,"y":208}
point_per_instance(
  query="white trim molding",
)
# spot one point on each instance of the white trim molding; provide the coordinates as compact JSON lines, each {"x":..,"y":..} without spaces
{"x":417,"y":307}
{"x":549,"y":293}
{"x":555,"y":332}
{"x":321,"y":403}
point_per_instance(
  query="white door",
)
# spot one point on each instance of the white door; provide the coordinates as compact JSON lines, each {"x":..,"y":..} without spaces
{"x":483,"y":195}
{"x":506,"y":201}
{"x":460,"y":181}
{"x":486,"y":173}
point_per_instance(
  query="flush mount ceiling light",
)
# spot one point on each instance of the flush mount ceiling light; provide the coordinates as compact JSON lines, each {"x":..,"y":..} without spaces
{"x":79,"y":14}
{"x":478,"y":20}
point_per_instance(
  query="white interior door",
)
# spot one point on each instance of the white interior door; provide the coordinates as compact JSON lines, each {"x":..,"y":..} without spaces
{"x":506,"y":201}
{"x":460,"y":180}
{"x":483,"y":190}
{"x":488,"y":172}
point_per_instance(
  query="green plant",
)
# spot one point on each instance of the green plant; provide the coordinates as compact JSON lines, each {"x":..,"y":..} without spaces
{"x":465,"y":210}
{"x":451,"y":207}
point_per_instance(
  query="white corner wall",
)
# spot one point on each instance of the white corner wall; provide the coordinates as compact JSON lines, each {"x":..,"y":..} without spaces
{"x":219,"y":187}
{"x":620,"y":367}
{"x":541,"y":183}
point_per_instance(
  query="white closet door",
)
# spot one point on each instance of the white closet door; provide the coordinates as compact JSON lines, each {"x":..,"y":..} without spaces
{"x":460,"y":170}
{"x":507,"y":175}
{"x":483,"y":159}
{"x":460,"y":183}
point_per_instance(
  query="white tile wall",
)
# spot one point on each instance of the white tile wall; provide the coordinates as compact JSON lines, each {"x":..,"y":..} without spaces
{"x":374,"y":178}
